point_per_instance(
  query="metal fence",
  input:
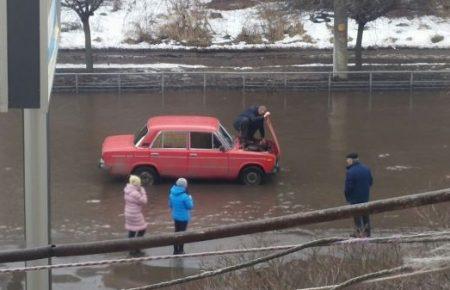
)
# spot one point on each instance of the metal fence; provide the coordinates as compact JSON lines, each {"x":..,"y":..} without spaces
{"x":313,"y":80}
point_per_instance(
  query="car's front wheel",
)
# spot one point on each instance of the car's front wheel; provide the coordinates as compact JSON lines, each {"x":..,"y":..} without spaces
{"x":252,"y":175}
{"x":148,"y":175}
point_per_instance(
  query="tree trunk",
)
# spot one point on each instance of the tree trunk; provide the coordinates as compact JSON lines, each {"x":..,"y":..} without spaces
{"x":88,"y":45}
{"x":340,"y":53}
{"x":358,"y":46}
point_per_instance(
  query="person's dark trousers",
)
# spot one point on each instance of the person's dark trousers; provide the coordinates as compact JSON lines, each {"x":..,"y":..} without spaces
{"x":133,"y":234}
{"x":180,"y":226}
{"x":242,"y":125}
{"x":362,"y":224}
{"x":138,"y":234}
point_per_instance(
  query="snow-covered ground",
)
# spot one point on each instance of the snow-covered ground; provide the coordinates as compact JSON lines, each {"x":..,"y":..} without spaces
{"x":112,"y":29}
{"x":178,"y":67}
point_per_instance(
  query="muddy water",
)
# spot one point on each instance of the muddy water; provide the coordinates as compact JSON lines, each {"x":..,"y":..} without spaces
{"x":404,"y":137}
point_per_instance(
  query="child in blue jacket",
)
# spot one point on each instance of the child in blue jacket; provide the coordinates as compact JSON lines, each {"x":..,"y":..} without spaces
{"x":181,"y":204}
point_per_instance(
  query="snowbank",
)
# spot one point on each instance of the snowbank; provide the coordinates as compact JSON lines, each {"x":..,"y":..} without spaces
{"x":111,"y":29}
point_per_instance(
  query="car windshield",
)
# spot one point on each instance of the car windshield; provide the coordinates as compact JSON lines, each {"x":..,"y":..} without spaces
{"x":140,"y":134}
{"x":226,"y":136}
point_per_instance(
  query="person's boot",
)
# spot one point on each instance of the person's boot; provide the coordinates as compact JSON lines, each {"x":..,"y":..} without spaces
{"x":137,"y":253}
{"x":357,"y":234}
{"x":140,"y":253}
{"x":365,"y":234}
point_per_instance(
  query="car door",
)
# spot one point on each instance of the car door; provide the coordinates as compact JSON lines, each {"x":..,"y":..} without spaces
{"x":169,"y":153}
{"x":206,"y":159}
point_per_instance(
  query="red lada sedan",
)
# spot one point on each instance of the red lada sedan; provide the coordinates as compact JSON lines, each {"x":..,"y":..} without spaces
{"x":188,"y":146}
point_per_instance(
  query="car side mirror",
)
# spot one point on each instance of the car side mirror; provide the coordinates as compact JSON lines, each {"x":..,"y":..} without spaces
{"x":222,"y":149}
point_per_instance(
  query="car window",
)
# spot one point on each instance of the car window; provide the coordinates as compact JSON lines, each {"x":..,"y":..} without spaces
{"x":216,"y":142}
{"x":226,"y":136}
{"x":140,"y":134}
{"x":201,"y":140}
{"x":158,"y":141}
{"x":174,"y":139}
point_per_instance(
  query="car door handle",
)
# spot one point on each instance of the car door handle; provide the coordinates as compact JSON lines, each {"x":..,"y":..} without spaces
{"x":154,"y":154}
{"x":193,"y":154}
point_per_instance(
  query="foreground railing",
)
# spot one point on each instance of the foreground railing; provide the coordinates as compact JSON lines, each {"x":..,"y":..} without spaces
{"x":370,"y":80}
{"x":232,"y":230}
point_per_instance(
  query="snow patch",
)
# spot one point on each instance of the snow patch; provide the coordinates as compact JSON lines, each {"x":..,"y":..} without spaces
{"x":398,"y":168}
{"x":93,"y":201}
{"x":111,"y":29}
{"x":152,"y":66}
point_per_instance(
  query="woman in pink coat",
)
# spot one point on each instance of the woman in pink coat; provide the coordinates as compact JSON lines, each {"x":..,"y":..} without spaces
{"x":135,"y":198}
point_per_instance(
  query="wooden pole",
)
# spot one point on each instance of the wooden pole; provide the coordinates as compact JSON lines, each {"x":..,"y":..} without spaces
{"x":270,"y":224}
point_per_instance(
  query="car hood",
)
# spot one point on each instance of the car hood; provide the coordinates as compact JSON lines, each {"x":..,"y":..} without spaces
{"x":117,"y":143}
{"x":275,"y":144}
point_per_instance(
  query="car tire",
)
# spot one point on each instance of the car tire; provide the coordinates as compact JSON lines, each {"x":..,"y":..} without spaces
{"x":148,"y":175}
{"x":252,"y":175}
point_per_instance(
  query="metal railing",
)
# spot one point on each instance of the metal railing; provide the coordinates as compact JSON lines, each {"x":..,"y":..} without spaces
{"x":312,"y":80}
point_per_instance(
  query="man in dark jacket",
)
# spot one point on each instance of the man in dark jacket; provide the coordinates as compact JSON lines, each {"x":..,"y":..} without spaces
{"x":357,"y":189}
{"x":250,"y":121}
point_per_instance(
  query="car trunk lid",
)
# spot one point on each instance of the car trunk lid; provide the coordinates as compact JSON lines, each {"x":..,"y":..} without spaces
{"x":118,"y":143}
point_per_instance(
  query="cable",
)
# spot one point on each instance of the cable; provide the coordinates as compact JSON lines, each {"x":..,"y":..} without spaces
{"x":320,"y":242}
{"x":250,"y":263}
{"x":431,"y":237}
{"x":384,"y":279}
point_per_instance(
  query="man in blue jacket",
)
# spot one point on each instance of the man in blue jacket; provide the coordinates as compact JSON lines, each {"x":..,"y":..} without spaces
{"x":357,"y":190}
{"x":250,"y":121}
{"x":181,"y":204}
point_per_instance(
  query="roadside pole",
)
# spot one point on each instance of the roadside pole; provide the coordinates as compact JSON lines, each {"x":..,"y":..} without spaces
{"x":3,"y":58}
{"x":29,"y":36}
{"x":37,"y":231}
{"x":340,"y":53}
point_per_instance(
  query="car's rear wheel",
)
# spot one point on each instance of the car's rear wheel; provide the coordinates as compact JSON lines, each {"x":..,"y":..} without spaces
{"x":148,"y":175}
{"x":252,"y":175}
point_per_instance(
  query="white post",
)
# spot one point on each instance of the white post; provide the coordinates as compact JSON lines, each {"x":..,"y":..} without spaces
{"x":3,"y":57}
{"x":37,"y":232}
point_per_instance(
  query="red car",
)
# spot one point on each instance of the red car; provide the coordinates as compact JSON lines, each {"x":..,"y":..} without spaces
{"x":188,"y":146}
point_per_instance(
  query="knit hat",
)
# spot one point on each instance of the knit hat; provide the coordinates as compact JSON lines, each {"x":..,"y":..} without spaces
{"x":352,"y":156}
{"x":181,"y":182}
{"x":135,"y":180}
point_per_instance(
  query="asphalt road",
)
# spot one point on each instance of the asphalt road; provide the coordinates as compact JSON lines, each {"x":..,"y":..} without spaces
{"x":275,"y":59}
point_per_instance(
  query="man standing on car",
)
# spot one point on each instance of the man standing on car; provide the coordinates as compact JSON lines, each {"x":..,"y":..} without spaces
{"x":357,"y":189}
{"x":250,"y":121}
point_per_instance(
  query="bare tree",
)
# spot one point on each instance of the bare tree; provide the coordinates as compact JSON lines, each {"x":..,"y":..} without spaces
{"x":85,"y":9}
{"x":364,"y":11}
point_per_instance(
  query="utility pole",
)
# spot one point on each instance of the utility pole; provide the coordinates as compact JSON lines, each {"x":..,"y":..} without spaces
{"x":340,"y":53}
{"x":29,"y":37}
{"x":37,"y":218}
{"x":3,"y":57}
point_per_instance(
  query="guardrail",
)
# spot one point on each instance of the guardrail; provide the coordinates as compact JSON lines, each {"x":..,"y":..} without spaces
{"x":230,"y":230}
{"x":313,"y":80}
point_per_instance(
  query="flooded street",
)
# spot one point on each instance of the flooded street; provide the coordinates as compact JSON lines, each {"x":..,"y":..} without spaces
{"x":404,"y":137}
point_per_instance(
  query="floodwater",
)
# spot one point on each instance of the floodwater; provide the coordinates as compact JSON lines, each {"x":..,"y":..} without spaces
{"x":403,"y":136}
